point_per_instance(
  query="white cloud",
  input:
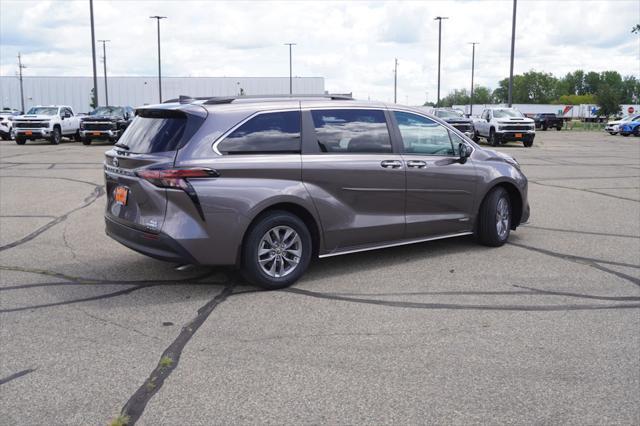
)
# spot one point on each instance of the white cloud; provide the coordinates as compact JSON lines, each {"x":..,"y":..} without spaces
{"x":351,"y":44}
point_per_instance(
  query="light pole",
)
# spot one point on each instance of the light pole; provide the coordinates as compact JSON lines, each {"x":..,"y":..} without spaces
{"x":473,"y":63}
{"x":158,"y":18}
{"x":104,"y":59}
{"x":439,"y":19}
{"x":20,"y":68}
{"x":513,"y":45}
{"x":290,"y":68}
{"x":395,"y":82}
{"x":93,"y":53}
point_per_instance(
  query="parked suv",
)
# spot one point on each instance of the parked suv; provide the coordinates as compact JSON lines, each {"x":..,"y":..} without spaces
{"x":270,"y":183}
{"x":548,"y":120}
{"x":106,"y":123}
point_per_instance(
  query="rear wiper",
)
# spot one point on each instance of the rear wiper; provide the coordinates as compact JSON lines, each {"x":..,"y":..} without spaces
{"x":122,"y":146}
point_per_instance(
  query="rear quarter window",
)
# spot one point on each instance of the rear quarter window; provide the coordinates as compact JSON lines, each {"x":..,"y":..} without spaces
{"x":267,"y":133}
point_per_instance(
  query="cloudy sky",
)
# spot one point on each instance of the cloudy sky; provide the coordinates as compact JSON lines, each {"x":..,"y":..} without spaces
{"x":352,"y":44}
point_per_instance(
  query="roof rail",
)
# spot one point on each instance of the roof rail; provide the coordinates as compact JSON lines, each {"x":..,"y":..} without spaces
{"x":213,"y":100}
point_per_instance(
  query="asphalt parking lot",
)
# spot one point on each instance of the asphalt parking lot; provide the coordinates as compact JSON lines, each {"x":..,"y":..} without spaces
{"x":543,"y":330}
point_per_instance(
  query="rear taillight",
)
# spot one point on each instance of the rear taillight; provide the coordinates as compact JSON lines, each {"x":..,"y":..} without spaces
{"x":175,"y":178}
{"x":178,"y":179}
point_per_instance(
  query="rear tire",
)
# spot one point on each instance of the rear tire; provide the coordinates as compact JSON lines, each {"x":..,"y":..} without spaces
{"x":544,"y":127}
{"x":276,"y":250}
{"x":494,"y":218}
{"x":559,"y":127}
{"x":56,"y":136}
{"x":86,"y":141}
{"x":20,"y":140}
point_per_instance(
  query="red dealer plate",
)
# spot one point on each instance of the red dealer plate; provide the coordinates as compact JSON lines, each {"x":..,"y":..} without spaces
{"x":518,"y":135}
{"x":28,"y":133}
{"x":96,"y":133}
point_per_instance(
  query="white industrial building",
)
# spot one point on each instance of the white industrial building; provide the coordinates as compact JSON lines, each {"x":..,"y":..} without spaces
{"x":138,"y":91}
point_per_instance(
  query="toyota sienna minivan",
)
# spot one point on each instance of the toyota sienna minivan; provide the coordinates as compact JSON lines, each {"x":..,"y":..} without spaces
{"x":268,"y":183}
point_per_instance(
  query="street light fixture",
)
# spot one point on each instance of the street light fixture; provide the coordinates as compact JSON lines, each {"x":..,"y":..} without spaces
{"x":473,"y":63}
{"x":158,"y":18}
{"x":439,"y":19}
{"x":290,"y":68}
{"x":104,"y":59}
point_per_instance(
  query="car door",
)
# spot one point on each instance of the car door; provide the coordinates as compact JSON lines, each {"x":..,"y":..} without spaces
{"x":355,"y":176}
{"x":482,"y":125}
{"x":440,"y":188}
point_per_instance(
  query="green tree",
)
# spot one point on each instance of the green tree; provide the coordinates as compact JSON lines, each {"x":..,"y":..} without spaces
{"x":457,"y":97}
{"x":572,"y":84}
{"x":591,"y":82}
{"x":608,"y":100}
{"x":532,"y":87}
{"x":482,"y":95}
{"x":630,"y":90}
{"x":576,"y":99}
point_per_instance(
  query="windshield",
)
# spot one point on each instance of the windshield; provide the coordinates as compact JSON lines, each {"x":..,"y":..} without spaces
{"x":506,"y":113}
{"x":43,"y":111}
{"x":442,"y":113}
{"x":108,"y":111}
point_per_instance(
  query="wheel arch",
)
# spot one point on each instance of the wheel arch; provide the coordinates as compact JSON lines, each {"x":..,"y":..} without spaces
{"x":294,"y":208}
{"x":515,"y":199}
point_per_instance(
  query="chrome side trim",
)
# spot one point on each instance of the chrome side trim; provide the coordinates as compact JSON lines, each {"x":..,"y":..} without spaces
{"x":401,"y":243}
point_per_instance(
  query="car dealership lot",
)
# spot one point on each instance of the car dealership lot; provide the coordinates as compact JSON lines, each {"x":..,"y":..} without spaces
{"x":544,"y":329}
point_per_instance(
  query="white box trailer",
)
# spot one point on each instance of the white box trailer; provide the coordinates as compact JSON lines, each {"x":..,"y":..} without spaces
{"x":583,"y":111}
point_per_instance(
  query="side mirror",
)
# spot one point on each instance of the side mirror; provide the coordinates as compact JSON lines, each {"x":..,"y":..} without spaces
{"x":465,"y":152}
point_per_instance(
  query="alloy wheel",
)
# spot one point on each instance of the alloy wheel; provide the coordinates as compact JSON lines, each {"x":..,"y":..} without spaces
{"x":279,"y":251}
{"x":502,"y":218}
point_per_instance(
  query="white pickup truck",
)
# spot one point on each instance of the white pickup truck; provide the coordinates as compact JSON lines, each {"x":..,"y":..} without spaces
{"x":501,"y":125}
{"x":46,"y":122}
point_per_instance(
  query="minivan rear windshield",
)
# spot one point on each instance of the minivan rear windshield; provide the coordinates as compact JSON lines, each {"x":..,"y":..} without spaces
{"x":146,"y":135}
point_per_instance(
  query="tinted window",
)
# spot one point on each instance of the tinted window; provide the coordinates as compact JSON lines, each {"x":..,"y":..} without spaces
{"x":421,"y":135}
{"x":265,"y":133}
{"x":146,"y":135}
{"x":351,"y":131}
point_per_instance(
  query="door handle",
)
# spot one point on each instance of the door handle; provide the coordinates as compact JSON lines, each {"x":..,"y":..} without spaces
{"x":416,"y":164}
{"x":391,"y":164}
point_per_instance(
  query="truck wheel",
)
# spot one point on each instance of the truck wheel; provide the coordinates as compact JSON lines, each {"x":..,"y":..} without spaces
{"x":20,"y":140}
{"x":276,"y":251}
{"x":544,"y":126}
{"x":493,"y":139}
{"x":636,"y":131}
{"x":76,"y":136}
{"x":494,"y":218}
{"x":528,"y":143}
{"x":56,"y":136}
{"x":86,"y":141}
{"x":559,"y":127}
{"x":476,"y":138}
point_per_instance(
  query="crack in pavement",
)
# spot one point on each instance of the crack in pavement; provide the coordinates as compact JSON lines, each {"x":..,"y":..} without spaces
{"x":585,"y":190}
{"x":137,"y":403}
{"x":454,"y":306}
{"x":98,"y":191}
{"x":594,"y":263}
{"x":116,"y":324}
{"x":16,"y":375}
{"x":604,"y":234}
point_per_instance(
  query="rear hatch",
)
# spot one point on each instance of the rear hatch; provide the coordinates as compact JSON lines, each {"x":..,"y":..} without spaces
{"x":150,"y":142}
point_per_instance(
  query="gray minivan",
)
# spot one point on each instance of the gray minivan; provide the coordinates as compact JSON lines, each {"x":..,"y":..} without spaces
{"x":268,"y":183}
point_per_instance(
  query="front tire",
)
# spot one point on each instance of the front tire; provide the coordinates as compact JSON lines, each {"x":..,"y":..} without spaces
{"x":494,"y":219}
{"x":56,"y":136}
{"x":493,"y":139}
{"x":276,"y":251}
{"x":20,"y":140}
{"x":86,"y":141}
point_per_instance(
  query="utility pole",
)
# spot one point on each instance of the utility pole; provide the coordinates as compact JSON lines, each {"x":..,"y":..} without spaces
{"x":93,"y":53}
{"x":20,"y":68}
{"x":439,"y":19}
{"x":290,"y":68}
{"x":104,"y":59}
{"x":473,"y":63}
{"x":395,"y":82}
{"x":513,"y":45}
{"x":158,"y":18}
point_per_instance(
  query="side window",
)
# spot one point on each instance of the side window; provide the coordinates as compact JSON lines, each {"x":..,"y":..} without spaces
{"x":456,"y":141}
{"x":421,"y":135}
{"x":68,"y":113}
{"x":274,"y":132}
{"x":351,"y":131}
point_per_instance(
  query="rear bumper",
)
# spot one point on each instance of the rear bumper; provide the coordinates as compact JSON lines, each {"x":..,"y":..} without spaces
{"x":159,"y":246}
